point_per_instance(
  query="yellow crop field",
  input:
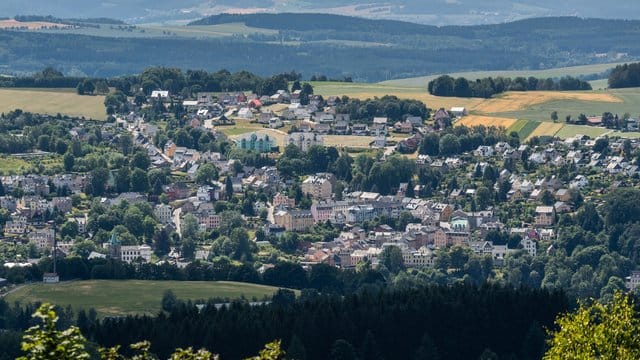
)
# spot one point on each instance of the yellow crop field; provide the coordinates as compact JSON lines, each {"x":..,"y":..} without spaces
{"x":476,"y":120}
{"x":546,"y":129}
{"x":514,"y":101}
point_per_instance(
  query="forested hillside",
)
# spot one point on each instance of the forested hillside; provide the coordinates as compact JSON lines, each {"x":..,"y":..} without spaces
{"x":335,"y":46}
{"x":439,"y":322}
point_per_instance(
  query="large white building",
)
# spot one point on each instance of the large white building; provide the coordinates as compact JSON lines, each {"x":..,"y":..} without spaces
{"x":132,"y":253}
{"x":304,"y":141}
{"x":128,"y":253}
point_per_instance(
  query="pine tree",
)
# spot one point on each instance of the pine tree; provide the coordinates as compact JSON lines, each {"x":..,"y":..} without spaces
{"x":342,"y":350}
{"x":427,"y":349}
{"x":370,"y":350}
{"x":296,"y":350}
{"x":228,"y":186}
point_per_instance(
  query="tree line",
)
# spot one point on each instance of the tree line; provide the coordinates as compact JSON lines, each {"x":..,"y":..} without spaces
{"x":624,"y":76}
{"x":446,"y":85}
{"x":459,"y":322}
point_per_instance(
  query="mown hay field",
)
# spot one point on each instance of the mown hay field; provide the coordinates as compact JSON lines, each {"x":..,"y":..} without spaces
{"x":514,"y":101}
{"x":476,"y":120}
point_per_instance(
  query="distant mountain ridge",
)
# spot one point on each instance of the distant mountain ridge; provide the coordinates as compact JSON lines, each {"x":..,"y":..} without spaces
{"x":436,"y":12}
{"x":335,"y":46}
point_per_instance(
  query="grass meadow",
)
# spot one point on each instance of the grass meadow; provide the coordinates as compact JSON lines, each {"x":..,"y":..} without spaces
{"x":131,"y":297}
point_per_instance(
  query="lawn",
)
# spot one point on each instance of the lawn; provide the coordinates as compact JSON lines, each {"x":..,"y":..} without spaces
{"x":129,"y":297}
{"x":53,"y":101}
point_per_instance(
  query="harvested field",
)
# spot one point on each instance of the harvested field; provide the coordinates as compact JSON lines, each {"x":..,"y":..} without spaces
{"x":475,"y":120}
{"x":514,"y":101}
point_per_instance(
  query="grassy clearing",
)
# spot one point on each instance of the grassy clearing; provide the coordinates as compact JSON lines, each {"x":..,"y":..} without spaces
{"x":130,"y":297}
{"x":473,"y":75}
{"x":53,"y":101}
{"x":11,"y":165}
{"x":475,"y":120}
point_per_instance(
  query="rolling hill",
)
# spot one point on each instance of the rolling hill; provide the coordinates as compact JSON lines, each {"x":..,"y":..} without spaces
{"x":436,"y":12}
{"x":320,"y":44}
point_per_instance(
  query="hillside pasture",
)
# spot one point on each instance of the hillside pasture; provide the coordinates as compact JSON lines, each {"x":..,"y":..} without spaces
{"x":52,"y":102}
{"x":132,"y":297}
{"x":628,"y":102}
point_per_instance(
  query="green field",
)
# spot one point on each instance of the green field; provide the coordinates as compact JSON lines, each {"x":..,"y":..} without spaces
{"x":573,"y":130}
{"x":473,"y":75}
{"x":53,"y":101}
{"x":527,"y":129}
{"x":11,"y":165}
{"x":129,"y":297}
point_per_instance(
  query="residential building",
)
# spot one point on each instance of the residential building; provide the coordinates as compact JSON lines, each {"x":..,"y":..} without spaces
{"x":43,"y":239}
{"x":280,"y":199}
{"x":163,"y":213}
{"x":319,"y":186}
{"x":294,"y":220}
{"x":256,"y":142}
{"x":545,"y":216}
{"x":304,"y":141}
